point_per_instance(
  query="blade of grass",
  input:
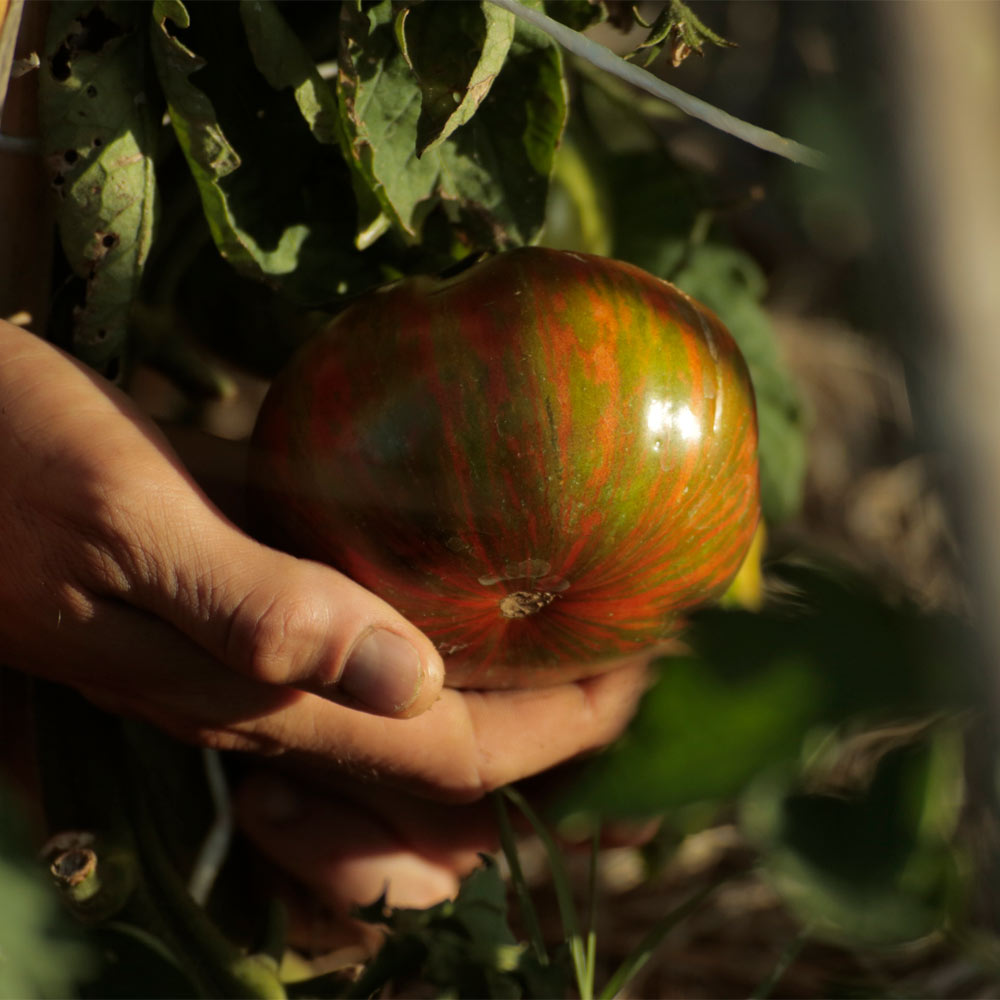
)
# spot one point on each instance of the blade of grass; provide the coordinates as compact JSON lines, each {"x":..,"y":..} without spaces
{"x":627,"y":970}
{"x":605,"y":59}
{"x":560,"y":882}
{"x":528,"y":913}
{"x":785,"y":959}
{"x":591,"y":955}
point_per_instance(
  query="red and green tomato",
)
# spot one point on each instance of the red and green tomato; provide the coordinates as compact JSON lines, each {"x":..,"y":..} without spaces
{"x":543,"y":461}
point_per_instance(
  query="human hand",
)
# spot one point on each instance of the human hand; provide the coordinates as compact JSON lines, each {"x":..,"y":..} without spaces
{"x":120,"y":578}
{"x":327,"y":849}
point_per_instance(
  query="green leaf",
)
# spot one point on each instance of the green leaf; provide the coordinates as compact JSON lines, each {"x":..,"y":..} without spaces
{"x":496,"y":170}
{"x":864,"y":865}
{"x":491,"y":174}
{"x":462,"y":946}
{"x":281,"y":58}
{"x":258,"y":145}
{"x":379,"y":100}
{"x":757,"y":686}
{"x":98,"y":130}
{"x":455,"y":52}
{"x":701,"y":735}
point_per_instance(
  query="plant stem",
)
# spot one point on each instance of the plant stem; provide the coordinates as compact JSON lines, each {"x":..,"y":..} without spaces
{"x":560,"y":881}
{"x":785,"y":959}
{"x":624,"y":973}
{"x":591,"y":957}
{"x":605,"y":59}
{"x":528,"y":912}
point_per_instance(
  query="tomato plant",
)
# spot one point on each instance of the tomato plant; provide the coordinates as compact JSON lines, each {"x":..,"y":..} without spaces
{"x":432,"y":216}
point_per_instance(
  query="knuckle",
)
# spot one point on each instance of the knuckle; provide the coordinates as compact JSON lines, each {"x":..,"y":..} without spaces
{"x":269,"y":638}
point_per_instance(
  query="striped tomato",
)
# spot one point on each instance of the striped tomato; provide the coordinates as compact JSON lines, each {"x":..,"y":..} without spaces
{"x":543,"y":461}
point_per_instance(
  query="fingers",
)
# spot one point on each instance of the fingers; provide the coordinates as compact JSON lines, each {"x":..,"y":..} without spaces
{"x":272,"y":617}
{"x":465,"y":745}
{"x":282,"y":620}
{"x":344,"y":851}
{"x":469,"y":743}
{"x":94,"y":501}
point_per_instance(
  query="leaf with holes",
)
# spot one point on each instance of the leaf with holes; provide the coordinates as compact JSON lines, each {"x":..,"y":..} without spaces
{"x":98,"y":131}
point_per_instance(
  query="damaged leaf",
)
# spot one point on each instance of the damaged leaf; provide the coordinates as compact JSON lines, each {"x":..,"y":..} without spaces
{"x":98,"y":131}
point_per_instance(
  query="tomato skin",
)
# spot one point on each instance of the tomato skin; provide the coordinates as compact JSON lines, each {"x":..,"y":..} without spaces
{"x":543,"y":462}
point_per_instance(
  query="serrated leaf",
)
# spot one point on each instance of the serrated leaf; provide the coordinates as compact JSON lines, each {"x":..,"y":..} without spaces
{"x":273,"y":196}
{"x":98,"y":136}
{"x":455,"y":52}
{"x":462,"y":946}
{"x":492,"y":174}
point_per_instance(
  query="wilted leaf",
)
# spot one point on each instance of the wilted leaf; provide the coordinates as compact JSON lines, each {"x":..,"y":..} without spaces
{"x":380,"y":105}
{"x":98,"y":136}
{"x":676,"y":27}
{"x":455,"y":52}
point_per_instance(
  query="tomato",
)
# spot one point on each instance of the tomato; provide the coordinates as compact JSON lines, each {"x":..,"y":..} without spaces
{"x":544,"y":461}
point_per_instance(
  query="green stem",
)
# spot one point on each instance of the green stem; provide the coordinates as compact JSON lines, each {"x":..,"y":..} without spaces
{"x":528,"y":913}
{"x":560,"y":881}
{"x":602,"y":57}
{"x":785,"y":960}
{"x":653,"y":938}
{"x":591,"y":958}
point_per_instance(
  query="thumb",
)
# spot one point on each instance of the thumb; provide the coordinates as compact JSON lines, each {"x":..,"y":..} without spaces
{"x":288,"y":621}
